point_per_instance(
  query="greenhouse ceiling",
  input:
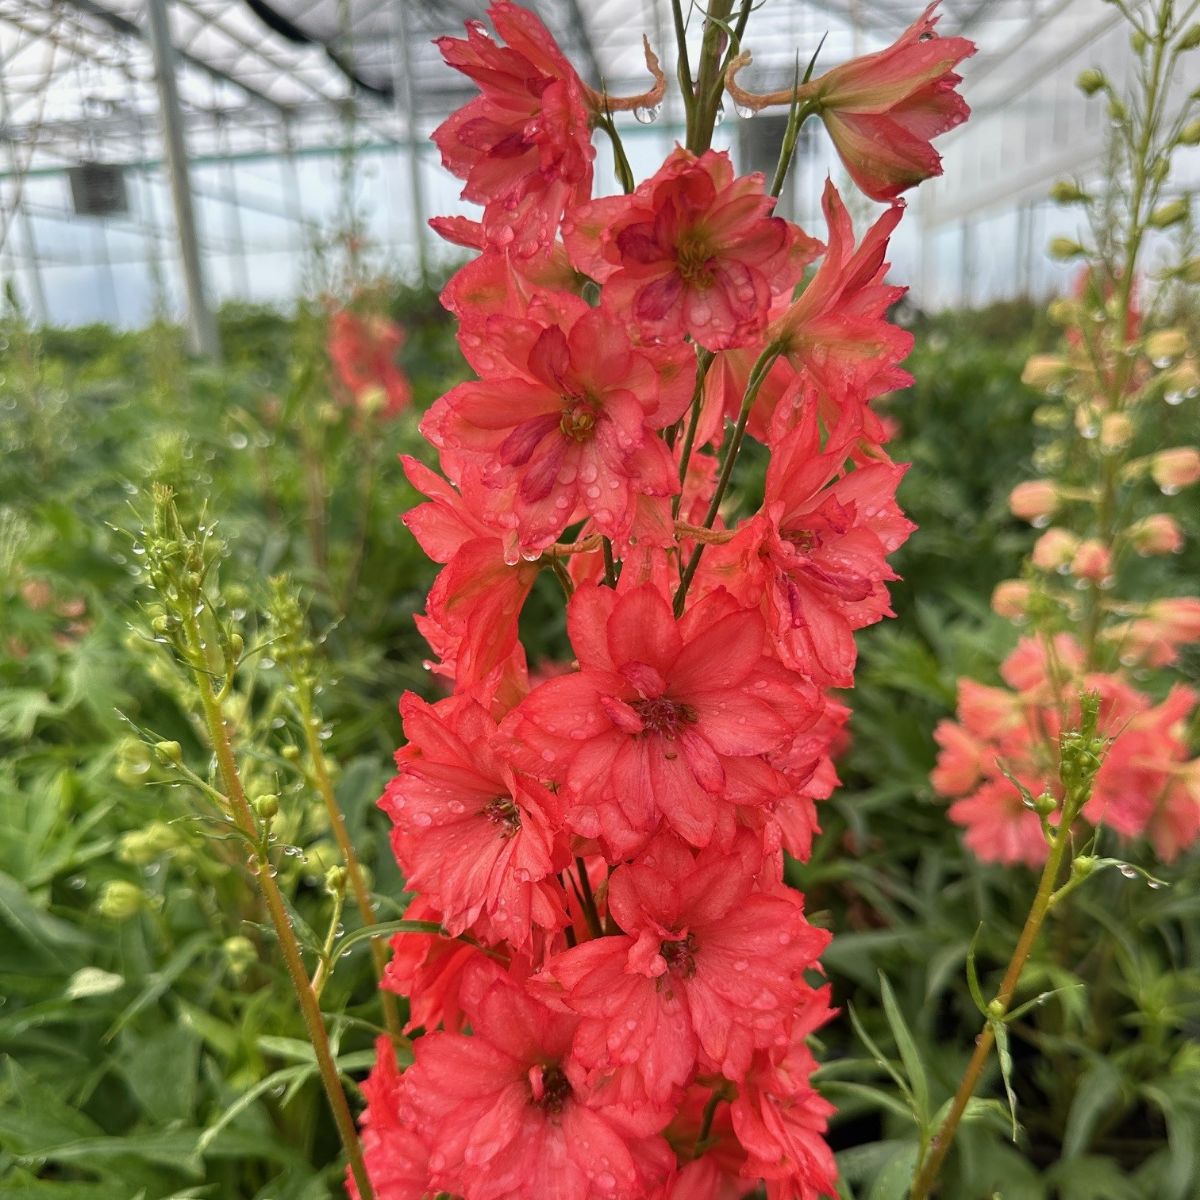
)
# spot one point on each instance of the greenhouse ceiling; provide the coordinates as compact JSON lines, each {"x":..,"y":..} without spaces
{"x":261,"y":76}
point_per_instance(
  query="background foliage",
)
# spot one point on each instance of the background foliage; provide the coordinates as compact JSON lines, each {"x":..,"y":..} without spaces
{"x":149,"y":1045}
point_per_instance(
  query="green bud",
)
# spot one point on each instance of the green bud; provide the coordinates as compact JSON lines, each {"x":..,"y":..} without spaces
{"x":1084,"y":865}
{"x":1189,"y":271}
{"x":169,"y":752}
{"x":236,"y":645}
{"x":1062,"y":311}
{"x":1138,"y":42}
{"x":161,"y":624}
{"x":1189,"y":135}
{"x":335,"y":881}
{"x":1062,"y":247}
{"x":120,"y":900}
{"x":1091,"y":81}
{"x":1045,"y":804}
{"x":1190,"y":40}
{"x":239,"y":953}
{"x":995,"y":1010}
{"x":267,"y":807}
{"x":1117,"y":111}
{"x":290,"y":752}
{"x":1066,"y":191}
{"x":1170,"y":214}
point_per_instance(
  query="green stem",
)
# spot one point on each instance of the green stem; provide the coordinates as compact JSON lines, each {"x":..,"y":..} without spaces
{"x":704,"y":360}
{"x":944,"y":1138}
{"x":310,"y":1009}
{"x":590,"y":911}
{"x":710,"y":82}
{"x":354,"y":872}
{"x":765,"y":362}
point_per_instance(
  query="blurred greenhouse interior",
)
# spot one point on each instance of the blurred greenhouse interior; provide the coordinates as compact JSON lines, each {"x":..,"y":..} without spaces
{"x":167,"y":156}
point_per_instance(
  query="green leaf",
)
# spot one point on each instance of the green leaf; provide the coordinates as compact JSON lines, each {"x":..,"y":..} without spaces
{"x":895,"y":1179}
{"x":1098,"y":1091}
{"x":881,"y":1060}
{"x":1004,"y":1054}
{"x":383,"y":929}
{"x":910,"y":1056}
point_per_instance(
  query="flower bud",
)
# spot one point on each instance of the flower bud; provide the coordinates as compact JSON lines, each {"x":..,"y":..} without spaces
{"x":1176,"y":468}
{"x":1156,"y":534}
{"x":1091,"y":81}
{"x":1063,"y":311}
{"x":267,"y":807}
{"x":1177,"y":618}
{"x":1189,"y":271}
{"x":141,"y":846}
{"x":1043,"y":371}
{"x":1064,"y":247}
{"x":1190,"y":40}
{"x":169,"y":752}
{"x":1165,"y":345}
{"x":1054,"y":549}
{"x":1092,"y":561}
{"x":1116,"y":430}
{"x":1084,"y":865}
{"x":1169,"y":214}
{"x":1011,"y":599}
{"x":1034,"y":500}
{"x":120,"y":900}
{"x":290,"y":752}
{"x":1067,"y":191}
{"x":1189,"y":135}
{"x":240,"y":954}
{"x":1045,"y":804}
{"x":335,"y":881}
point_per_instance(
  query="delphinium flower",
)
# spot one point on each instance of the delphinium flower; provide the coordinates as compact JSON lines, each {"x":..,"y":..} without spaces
{"x":363,"y":351}
{"x":619,"y":1000}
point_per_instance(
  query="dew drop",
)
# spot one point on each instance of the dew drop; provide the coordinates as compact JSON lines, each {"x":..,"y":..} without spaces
{"x":719,"y":115}
{"x":647,"y":114}
{"x":744,"y":111}
{"x":1128,"y":871}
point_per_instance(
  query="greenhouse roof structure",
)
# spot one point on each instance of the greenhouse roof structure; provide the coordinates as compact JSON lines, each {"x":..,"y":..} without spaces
{"x":284,"y":81}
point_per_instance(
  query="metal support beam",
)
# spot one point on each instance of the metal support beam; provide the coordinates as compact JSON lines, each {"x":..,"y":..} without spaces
{"x":202,"y":328}
{"x":402,"y":69}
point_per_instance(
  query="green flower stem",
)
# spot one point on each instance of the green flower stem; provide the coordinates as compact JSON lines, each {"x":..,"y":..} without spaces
{"x":941,"y":1141}
{"x":704,"y":360}
{"x":358,"y":884}
{"x":710,"y":81}
{"x":243,"y":816}
{"x":765,"y":362}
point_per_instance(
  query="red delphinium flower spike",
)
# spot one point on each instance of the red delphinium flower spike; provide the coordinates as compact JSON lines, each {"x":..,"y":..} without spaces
{"x":694,"y":250}
{"x":508,"y":1113}
{"x":523,"y":147}
{"x":665,"y":721}
{"x":474,"y":837}
{"x":562,"y":424}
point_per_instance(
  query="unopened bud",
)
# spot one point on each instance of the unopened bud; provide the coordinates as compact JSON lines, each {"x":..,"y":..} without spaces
{"x":1045,"y":804}
{"x":290,"y":752}
{"x":236,"y":645}
{"x":335,"y":881}
{"x":1064,"y":247}
{"x":1062,"y":311}
{"x":1169,"y":214}
{"x":239,"y":953}
{"x":169,"y":752}
{"x":1189,"y":135}
{"x":1067,"y":191}
{"x":161,"y":624}
{"x":1043,"y":371}
{"x":119,"y":900}
{"x":1166,"y":344}
{"x":1190,"y":40}
{"x":267,"y":807}
{"x":1054,"y":549}
{"x":1084,"y":865}
{"x":1156,"y":534}
{"x":1092,"y":561}
{"x":1091,"y":81}
{"x":1033,"y":500}
{"x":1010,"y":599}
{"x":1176,"y":468}
{"x":996,"y":1009}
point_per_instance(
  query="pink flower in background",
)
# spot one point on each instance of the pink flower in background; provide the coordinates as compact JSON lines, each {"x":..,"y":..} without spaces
{"x":363,"y":353}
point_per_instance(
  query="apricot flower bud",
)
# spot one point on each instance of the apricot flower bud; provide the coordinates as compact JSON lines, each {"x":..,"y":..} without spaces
{"x":1043,"y":371}
{"x":1166,"y":344}
{"x":1116,"y":430}
{"x":1092,"y":561}
{"x":1156,"y":534}
{"x":1054,"y":549}
{"x":1011,"y":599}
{"x":1176,"y":468}
{"x":1033,"y":501}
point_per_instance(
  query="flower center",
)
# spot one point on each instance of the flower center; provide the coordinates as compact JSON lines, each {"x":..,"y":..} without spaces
{"x":503,"y":812}
{"x":664,"y":716}
{"x":804,"y":541}
{"x":578,"y":422}
{"x":680,"y":956}
{"x":693,"y":259}
{"x":549,"y":1088}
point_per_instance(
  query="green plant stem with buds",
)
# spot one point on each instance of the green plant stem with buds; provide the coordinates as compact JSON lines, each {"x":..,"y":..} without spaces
{"x":358,"y":884}
{"x":710,"y":78}
{"x":264,"y":871}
